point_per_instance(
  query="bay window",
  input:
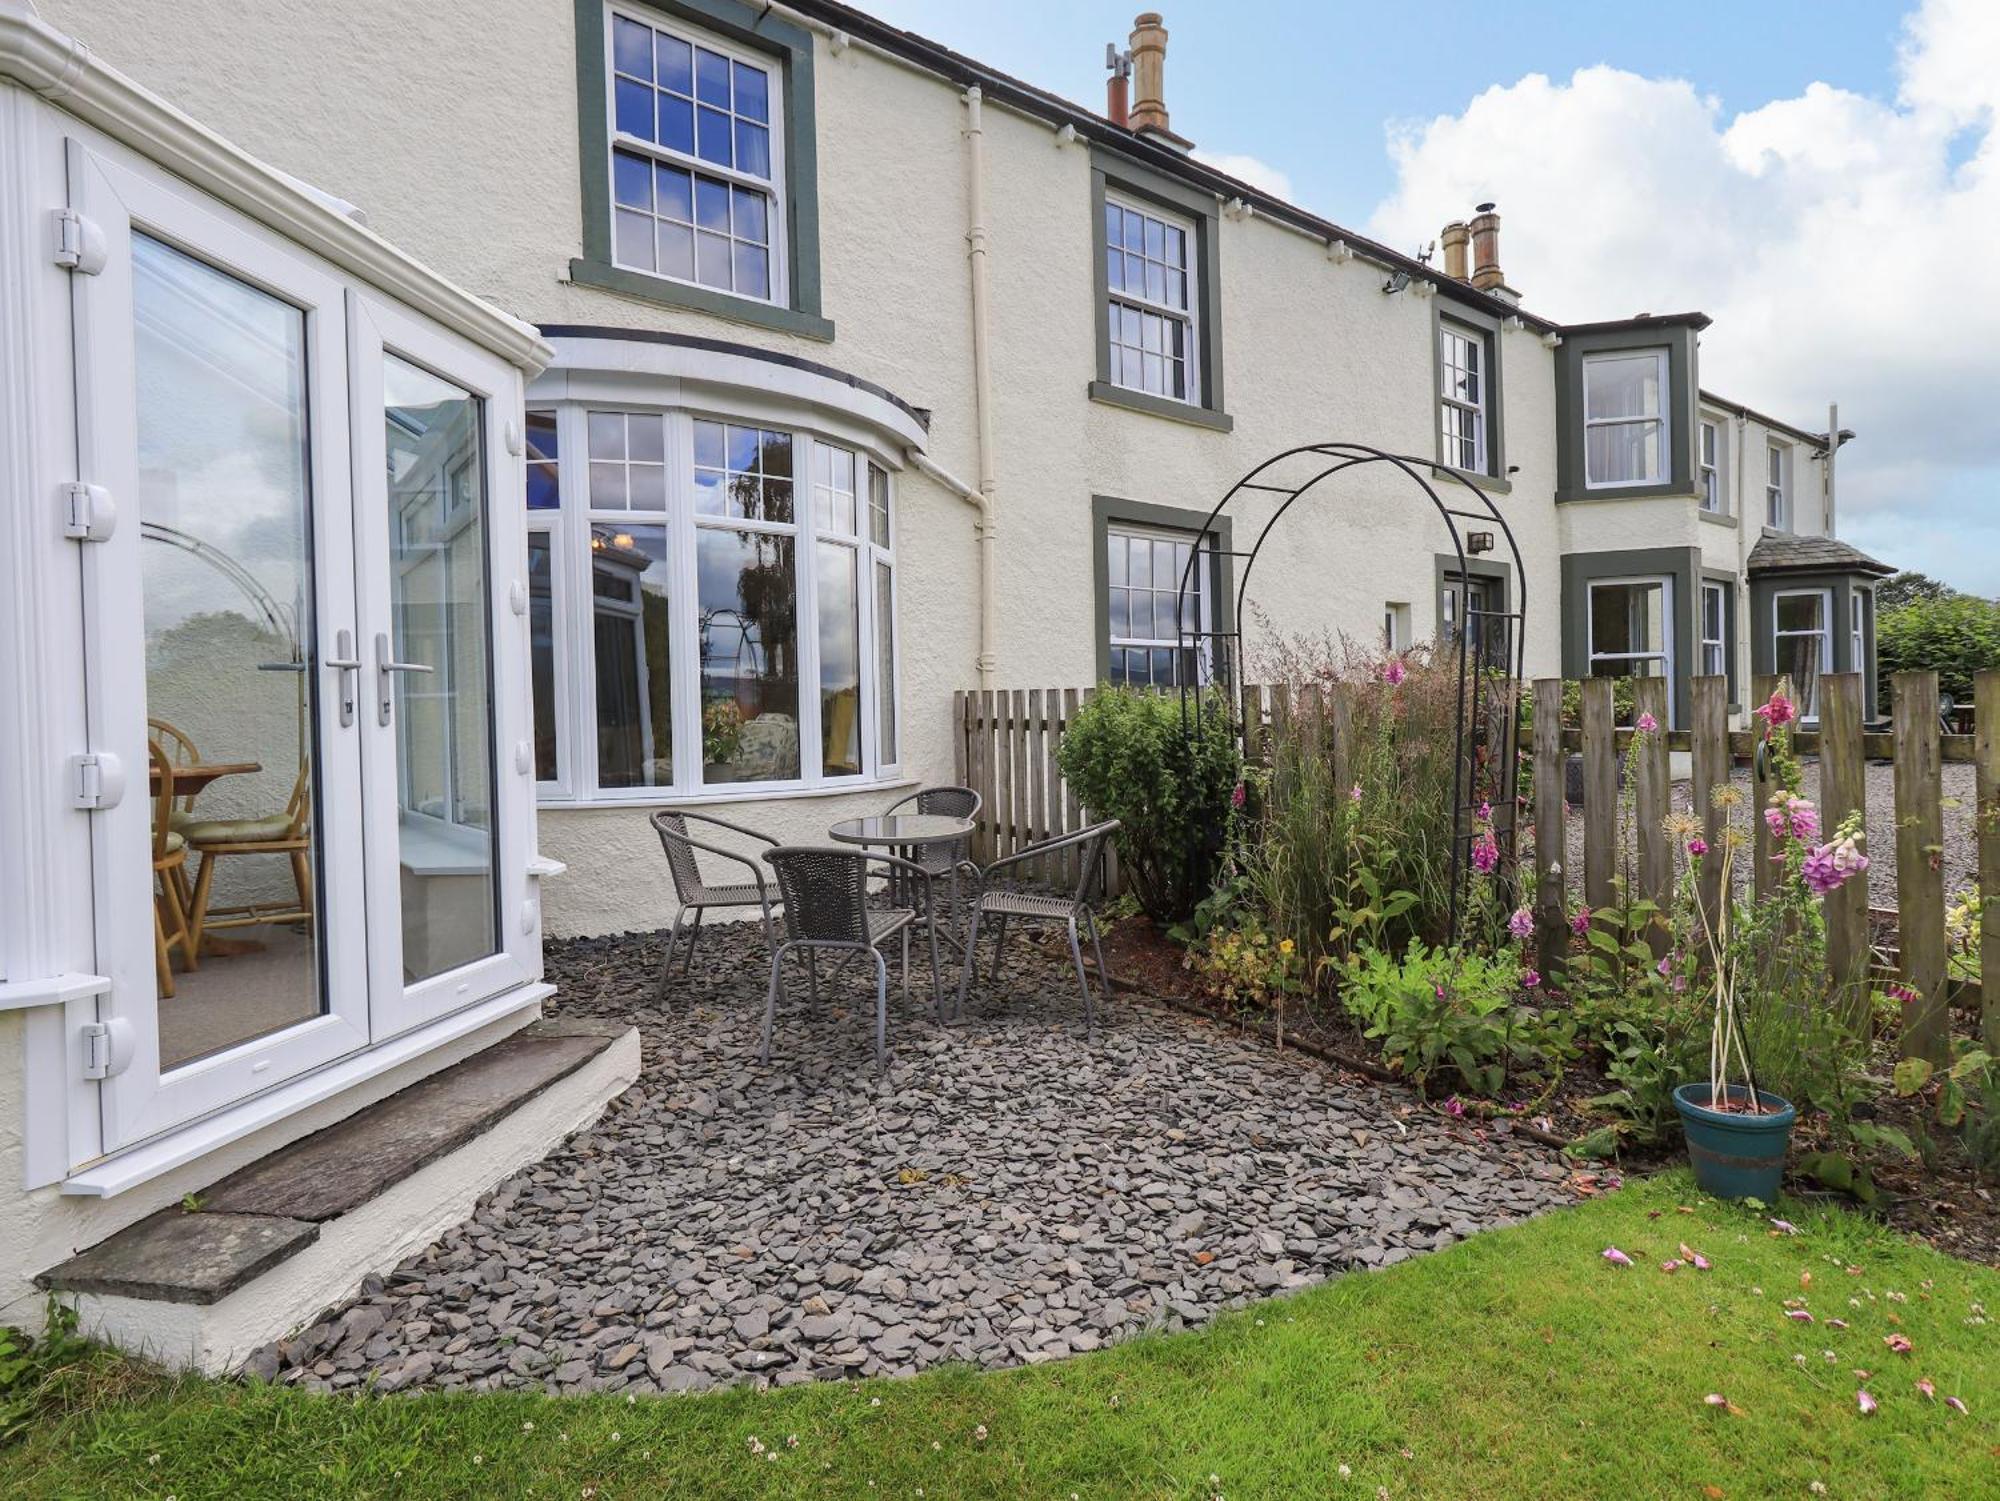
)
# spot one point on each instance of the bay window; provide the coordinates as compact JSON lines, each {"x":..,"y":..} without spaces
{"x":1624,"y":418}
{"x":739,"y":626}
{"x":1630,"y":628}
{"x":1802,"y":636}
{"x":1714,"y":630}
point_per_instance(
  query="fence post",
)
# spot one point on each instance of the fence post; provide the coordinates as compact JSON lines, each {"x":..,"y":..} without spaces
{"x":1551,"y":842}
{"x":1843,"y":791}
{"x":1711,"y":770}
{"x":959,"y":738}
{"x":1600,"y":793}
{"x":982,"y":775}
{"x":1986,"y":743}
{"x":1341,"y":726}
{"x":1650,"y":801}
{"x":1763,"y":844}
{"x":1919,"y":869}
{"x":1037,"y":759}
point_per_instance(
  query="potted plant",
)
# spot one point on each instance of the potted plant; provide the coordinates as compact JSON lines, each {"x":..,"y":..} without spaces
{"x":1737,"y":1133}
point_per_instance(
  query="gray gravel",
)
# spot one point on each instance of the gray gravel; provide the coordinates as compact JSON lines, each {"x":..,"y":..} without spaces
{"x":1006,"y":1194}
{"x":1960,"y":854}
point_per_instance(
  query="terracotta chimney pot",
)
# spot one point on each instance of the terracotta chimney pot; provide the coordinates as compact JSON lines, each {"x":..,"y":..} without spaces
{"x":1455,"y":238}
{"x":1149,"y":73}
{"x":1486,"y":249}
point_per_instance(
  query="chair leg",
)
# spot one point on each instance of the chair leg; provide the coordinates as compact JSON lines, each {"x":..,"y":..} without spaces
{"x":1082,"y":979}
{"x":812,"y":975}
{"x":694,"y":937}
{"x":966,"y":970}
{"x":204,"y":882}
{"x":937,"y":994}
{"x":771,"y":1005}
{"x":170,"y":893}
{"x":1097,"y":943}
{"x":881,"y":1011}
{"x":667,"y":959}
{"x":302,"y":880}
{"x":906,"y":961}
{"x":162,"y":970}
{"x":999,"y":947}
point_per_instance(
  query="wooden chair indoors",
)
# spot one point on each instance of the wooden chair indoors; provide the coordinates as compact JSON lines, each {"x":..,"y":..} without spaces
{"x":181,"y":751}
{"x":171,"y":928}
{"x":287,"y":833}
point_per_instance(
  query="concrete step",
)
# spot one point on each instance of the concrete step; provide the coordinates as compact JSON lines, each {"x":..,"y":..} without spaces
{"x":295,"y":1232}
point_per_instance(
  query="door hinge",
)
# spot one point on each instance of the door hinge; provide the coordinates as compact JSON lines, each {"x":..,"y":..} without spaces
{"x":89,"y":514}
{"x":79,"y":243}
{"x":107,"y":1048}
{"x":97,"y":779}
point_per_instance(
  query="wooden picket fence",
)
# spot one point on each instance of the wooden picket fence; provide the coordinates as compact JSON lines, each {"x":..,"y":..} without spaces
{"x":1006,"y":742}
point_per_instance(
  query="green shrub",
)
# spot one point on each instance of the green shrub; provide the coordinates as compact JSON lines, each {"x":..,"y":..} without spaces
{"x":1953,"y":637}
{"x":1169,"y":776}
{"x":1450,"y":1013}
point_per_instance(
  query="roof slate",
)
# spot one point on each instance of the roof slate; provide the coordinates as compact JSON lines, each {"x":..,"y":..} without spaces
{"x":1785,"y":552}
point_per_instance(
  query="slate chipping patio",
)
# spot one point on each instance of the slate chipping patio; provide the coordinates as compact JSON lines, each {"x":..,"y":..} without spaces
{"x":1005,"y":1195}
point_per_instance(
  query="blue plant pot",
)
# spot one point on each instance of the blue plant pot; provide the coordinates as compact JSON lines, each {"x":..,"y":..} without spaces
{"x":1736,"y":1156}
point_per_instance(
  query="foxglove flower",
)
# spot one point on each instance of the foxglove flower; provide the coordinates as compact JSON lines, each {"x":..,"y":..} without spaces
{"x":1522,"y":923}
{"x":1697,"y":846}
{"x":1580,"y":923}
{"x":1395,"y":672}
{"x":1354,"y":793}
{"x":1647,"y":724}
{"x":1778,"y":713}
{"x":1531,"y":979}
{"x":1485,"y":854}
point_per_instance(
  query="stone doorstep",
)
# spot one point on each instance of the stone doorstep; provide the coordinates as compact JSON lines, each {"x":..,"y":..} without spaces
{"x":264,"y":1214}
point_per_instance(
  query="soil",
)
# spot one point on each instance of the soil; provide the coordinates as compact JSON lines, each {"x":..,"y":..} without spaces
{"x":1942,"y":1200}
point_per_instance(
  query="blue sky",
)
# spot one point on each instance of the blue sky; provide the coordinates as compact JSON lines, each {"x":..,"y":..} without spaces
{"x":1313,"y":88}
{"x":1784,"y":166}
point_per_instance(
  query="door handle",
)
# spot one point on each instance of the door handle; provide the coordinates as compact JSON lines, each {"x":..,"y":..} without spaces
{"x":385,"y":665}
{"x":349,"y":667}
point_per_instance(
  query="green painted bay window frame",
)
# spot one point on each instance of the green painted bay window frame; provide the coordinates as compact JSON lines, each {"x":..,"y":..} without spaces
{"x":1679,"y":409}
{"x":1109,"y":512}
{"x":1681,"y":566}
{"x":790,"y":48}
{"x":1485,"y":329}
{"x":1844,"y":589}
{"x":1112,"y":174}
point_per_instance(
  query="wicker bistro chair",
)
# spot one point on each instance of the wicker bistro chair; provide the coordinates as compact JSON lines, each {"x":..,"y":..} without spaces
{"x":944,"y":859}
{"x":1001,"y":902}
{"x":825,"y":899}
{"x":694,"y":890}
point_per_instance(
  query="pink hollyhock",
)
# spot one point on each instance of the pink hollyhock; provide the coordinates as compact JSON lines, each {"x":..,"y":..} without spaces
{"x":1647,"y":724}
{"x":1395,"y":672}
{"x":1522,"y":923}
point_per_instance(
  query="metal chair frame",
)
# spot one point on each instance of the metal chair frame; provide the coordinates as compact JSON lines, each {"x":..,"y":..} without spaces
{"x":693,"y":890}
{"x":1003,"y":904}
{"x":856,"y":930}
{"x":946,"y":859}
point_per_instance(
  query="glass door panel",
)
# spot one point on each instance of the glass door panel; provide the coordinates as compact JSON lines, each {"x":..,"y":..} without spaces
{"x":226,"y":512}
{"x":439,"y":680}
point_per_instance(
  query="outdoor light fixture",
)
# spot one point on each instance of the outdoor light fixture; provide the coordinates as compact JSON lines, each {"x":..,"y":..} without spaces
{"x":1479,"y":542}
{"x":1396,"y":282}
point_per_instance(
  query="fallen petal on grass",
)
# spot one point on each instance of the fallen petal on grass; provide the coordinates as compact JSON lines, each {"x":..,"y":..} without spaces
{"x":1785,"y":1227}
{"x":1799,"y":1314}
{"x":1928,"y":1388}
{"x":1900,"y":1343}
{"x":1616,"y":1257}
{"x":1957,"y":1404}
{"x":1865,"y":1400}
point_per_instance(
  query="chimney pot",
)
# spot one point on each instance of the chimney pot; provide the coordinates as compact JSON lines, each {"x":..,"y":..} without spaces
{"x":1455,"y":238}
{"x":1149,"y":73}
{"x":1486,"y":250}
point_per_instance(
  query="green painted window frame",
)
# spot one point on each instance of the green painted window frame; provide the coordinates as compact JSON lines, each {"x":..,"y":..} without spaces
{"x":1681,"y":564}
{"x":1680,"y":410}
{"x":1485,"y":327}
{"x":790,"y":48}
{"x":1113,"y":174}
{"x":1108,"y":511}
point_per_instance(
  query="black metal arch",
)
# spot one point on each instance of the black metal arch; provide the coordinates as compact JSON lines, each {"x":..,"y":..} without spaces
{"x":1220,"y":652}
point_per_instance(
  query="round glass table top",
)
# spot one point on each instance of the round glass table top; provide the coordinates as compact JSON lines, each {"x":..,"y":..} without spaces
{"x":901,"y":828}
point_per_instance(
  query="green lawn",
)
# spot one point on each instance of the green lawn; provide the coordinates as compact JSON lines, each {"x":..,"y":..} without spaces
{"x":1519,"y":1364}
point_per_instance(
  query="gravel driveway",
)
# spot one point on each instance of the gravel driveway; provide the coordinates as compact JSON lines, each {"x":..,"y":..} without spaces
{"x":1006,"y":1194}
{"x":1961,"y":854}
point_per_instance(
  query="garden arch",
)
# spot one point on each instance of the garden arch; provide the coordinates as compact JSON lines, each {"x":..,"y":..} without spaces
{"x":1490,"y":642}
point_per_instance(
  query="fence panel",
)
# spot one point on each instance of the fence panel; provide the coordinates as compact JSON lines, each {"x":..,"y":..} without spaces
{"x":1551,"y":836}
{"x":1986,"y":722}
{"x":1919,"y":863}
{"x":1843,"y":790}
{"x":1651,"y":799}
{"x":1600,"y":793}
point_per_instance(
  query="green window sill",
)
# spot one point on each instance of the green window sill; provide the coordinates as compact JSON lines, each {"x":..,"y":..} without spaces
{"x":664,"y":293}
{"x":1160,"y":406}
{"x":1492,"y":484}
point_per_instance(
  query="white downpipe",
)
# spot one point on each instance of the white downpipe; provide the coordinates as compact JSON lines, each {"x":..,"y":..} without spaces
{"x":982,"y":372}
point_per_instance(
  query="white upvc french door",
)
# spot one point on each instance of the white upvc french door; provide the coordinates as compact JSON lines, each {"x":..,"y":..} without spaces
{"x":448,"y":755}
{"x":212,"y":396}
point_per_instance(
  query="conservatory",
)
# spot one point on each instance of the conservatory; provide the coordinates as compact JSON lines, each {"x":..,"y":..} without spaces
{"x":266,"y":776}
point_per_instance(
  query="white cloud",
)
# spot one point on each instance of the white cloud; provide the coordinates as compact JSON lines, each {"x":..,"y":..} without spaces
{"x":1253,"y":170}
{"x":1841,"y":252}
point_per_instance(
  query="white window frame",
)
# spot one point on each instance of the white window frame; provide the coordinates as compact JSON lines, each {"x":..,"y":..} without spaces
{"x":1660,"y":421}
{"x":1450,"y":337}
{"x":575,"y":638}
{"x":1189,"y":315}
{"x":1778,"y":486}
{"x":1204,"y":556}
{"x":1856,"y":632}
{"x":1808,"y":709}
{"x":549,"y":524}
{"x":1664,"y":656}
{"x":1718,"y":644}
{"x":1709,"y":467}
{"x":777,"y":224}
{"x":1396,"y":626}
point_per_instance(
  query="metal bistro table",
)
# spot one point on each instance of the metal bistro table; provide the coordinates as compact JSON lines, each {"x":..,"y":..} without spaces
{"x":916,"y":837}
